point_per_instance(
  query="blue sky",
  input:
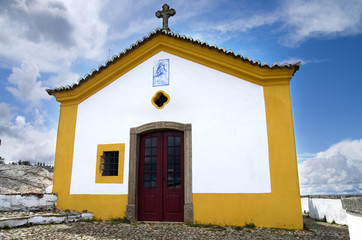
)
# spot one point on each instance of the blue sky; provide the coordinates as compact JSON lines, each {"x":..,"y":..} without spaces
{"x":47,"y":44}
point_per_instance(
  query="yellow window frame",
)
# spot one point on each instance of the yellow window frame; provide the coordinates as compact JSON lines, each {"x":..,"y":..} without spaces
{"x":110,"y":147}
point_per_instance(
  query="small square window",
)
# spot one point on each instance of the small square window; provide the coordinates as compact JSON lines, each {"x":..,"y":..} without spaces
{"x":110,"y":162}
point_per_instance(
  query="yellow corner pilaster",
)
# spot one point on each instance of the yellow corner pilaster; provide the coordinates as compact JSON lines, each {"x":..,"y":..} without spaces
{"x":97,"y":204}
{"x":64,"y":149}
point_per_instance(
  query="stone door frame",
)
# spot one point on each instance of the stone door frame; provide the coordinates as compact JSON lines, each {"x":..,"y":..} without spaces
{"x":135,"y":133}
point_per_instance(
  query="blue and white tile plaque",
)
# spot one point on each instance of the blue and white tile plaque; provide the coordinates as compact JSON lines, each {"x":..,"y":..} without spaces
{"x":161,"y":72}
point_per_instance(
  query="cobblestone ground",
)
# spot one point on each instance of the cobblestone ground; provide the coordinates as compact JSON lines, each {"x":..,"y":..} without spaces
{"x":117,"y":230}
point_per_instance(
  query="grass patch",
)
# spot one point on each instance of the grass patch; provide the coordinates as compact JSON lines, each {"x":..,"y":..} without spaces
{"x":89,"y":220}
{"x":249,"y":225}
{"x":324,"y":219}
{"x":305,"y":227}
{"x":120,"y":220}
{"x":6,"y":227}
{"x":211,"y":226}
{"x":27,"y":224}
{"x":237,"y":228}
{"x":200,"y":225}
{"x":218,"y":228}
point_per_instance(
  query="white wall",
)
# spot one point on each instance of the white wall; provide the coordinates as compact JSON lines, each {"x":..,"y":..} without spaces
{"x":305,"y":206}
{"x":28,"y":202}
{"x":229,"y":139}
{"x":354,"y":225}
{"x":318,"y":208}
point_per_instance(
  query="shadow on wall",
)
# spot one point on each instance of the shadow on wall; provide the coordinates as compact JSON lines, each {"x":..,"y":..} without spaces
{"x":326,"y":208}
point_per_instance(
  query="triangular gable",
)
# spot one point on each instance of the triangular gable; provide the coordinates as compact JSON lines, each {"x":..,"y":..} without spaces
{"x":182,"y":46}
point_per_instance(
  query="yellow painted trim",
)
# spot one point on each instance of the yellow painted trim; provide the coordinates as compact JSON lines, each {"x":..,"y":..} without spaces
{"x":103,"y":207}
{"x":64,"y":149}
{"x":194,"y":52}
{"x":156,"y":96}
{"x":263,"y":210}
{"x":110,"y":147}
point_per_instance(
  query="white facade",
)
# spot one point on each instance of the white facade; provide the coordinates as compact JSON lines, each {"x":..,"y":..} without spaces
{"x":227,"y":116}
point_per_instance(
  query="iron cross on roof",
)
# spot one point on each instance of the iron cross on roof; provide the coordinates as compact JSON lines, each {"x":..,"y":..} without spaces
{"x":165,"y":14}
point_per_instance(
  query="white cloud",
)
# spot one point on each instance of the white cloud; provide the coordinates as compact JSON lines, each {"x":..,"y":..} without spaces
{"x":304,"y":156}
{"x":143,"y":26}
{"x":322,"y":18}
{"x":20,"y":121}
{"x":245,"y":23}
{"x":303,"y":61}
{"x":62,"y":79}
{"x":27,"y":88}
{"x":51,"y":34}
{"x":300,"y":20}
{"x":90,"y":30}
{"x":5,"y":114}
{"x":23,"y":140}
{"x":337,"y":170}
{"x":41,"y":37}
{"x":39,"y":119}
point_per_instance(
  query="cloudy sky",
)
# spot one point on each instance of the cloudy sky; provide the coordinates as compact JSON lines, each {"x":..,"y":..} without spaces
{"x":51,"y":43}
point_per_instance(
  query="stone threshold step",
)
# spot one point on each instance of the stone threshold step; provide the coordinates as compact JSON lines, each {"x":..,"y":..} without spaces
{"x":18,"y":220}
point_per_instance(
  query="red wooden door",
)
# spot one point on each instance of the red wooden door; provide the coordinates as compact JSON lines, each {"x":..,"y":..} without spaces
{"x":161,"y":177}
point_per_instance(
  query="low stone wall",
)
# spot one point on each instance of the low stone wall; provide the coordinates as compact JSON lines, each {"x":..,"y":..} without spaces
{"x":325,"y":207}
{"x":27,"y":202}
{"x":44,"y":219}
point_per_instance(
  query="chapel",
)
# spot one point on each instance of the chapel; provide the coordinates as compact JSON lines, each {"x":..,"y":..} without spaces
{"x":177,"y":130}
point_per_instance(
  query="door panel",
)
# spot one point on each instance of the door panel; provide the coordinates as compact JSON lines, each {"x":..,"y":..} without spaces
{"x":173,"y":188}
{"x":150,"y":178}
{"x":161,"y":177}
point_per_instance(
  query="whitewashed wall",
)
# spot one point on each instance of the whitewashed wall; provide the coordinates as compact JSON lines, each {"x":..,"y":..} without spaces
{"x":229,"y":138}
{"x":318,"y":208}
{"x":353,"y":207}
{"x":31,"y":202}
{"x":354,"y":225}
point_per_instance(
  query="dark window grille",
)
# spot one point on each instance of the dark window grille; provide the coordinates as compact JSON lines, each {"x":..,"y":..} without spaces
{"x":110,"y":163}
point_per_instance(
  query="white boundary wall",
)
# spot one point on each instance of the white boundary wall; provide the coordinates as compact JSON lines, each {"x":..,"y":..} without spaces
{"x":327,"y":206}
{"x":353,"y":206}
{"x":29,"y":202}
{"x":354,"y":225}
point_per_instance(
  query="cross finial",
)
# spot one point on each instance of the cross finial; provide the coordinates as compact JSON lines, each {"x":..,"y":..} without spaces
{"x":165,"y":14}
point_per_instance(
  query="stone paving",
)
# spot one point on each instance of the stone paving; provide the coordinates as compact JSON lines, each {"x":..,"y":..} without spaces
{"x":117,"y":230}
